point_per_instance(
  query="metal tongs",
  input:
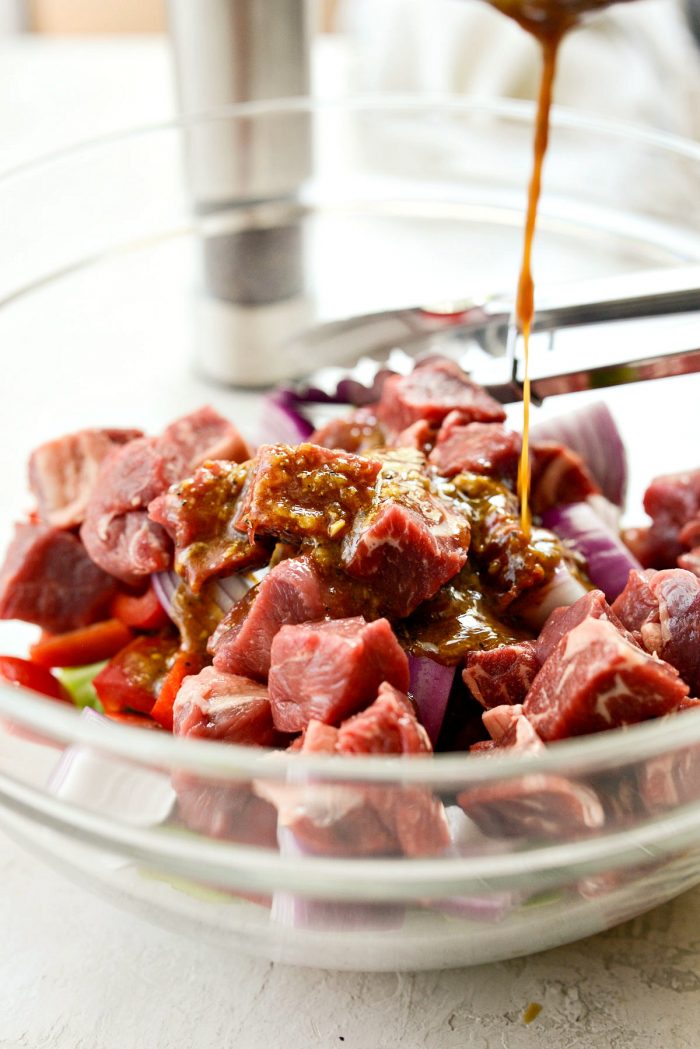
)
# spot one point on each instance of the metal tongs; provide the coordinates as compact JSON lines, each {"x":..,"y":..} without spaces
{"x":593,"y":334}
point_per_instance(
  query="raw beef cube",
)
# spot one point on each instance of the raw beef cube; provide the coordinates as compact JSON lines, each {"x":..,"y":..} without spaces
{"x":498,"y":721}
{"x":480,"y":448}
{"x":47,"y":578}
{"x":350,"y":820}
{"x":431,"y":392}
{"x":521,"y":736}
{"x":691,"y":561}
{"x":62,"y":473}
{"x":198,"y":516}
{"x":562,"y":620}
{"x":664,"y":609}
{"x":419,"y":435}
{"x":202,"y":435}
{"x":357,"y":432}
{"x":418,"y":819}
{"x":558,"y":476}
{"x":317,"y":738}
{"x":409,"y":541}
{"x":637,"y":605}
{"x":508,"y":727}
{"x":292,"y":592}
{"x":305,"y":492}
{"x":216,"y":705}
{"x":595,"y":680}
{"x":225,"y":810}
{"x":387,"y":726}
{"x":535,"y":806}
{"x":670,"y":779}
{"x":501,"y":675}
{"x":672,"y":502}
{"x":331,"y":669}
{"x":117,"y":532}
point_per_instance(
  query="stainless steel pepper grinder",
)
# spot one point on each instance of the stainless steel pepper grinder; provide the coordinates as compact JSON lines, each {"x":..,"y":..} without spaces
{"x":245,"y":175}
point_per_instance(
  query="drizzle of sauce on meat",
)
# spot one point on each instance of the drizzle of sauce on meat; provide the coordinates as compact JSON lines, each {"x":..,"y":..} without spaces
{"x":548,"y":21}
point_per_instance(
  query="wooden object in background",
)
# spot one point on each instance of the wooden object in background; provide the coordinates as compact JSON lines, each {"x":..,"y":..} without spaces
{"x":60,"y":17}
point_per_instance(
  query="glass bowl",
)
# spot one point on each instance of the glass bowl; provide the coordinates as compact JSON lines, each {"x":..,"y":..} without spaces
{"x":143,"y":273}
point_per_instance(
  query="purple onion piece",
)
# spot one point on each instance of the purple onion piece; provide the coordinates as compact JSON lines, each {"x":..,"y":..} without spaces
{"x":562,"y":590}
{"x":165,"y":584}
{"x":593,"y":434}
{"x":223,"y":592}
{"x":608,"y":560}
{"x":430,"y":686}
{"x":282,"y":420}
{"x":300,"y":912}
{"x":111,"y":786}
{"x":226,"y":592}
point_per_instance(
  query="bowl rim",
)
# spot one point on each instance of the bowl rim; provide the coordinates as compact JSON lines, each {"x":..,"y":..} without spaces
{"x":519,"y":110}
{"x":231,"y":761}
{"x":572,"y":757}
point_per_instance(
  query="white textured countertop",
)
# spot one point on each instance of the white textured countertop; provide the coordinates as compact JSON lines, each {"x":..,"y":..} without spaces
{"x":75,"y":973}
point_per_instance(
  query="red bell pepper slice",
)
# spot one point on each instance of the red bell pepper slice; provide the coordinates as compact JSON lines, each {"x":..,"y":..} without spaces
{"x":132,"y":679}
{"x":23,"y":674}
{"x":89,"y":644}
{"x":185,"y":663}
{"x":141,"y":612}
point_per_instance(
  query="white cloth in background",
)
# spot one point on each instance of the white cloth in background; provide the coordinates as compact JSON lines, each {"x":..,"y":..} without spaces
{"x":635,"y":61}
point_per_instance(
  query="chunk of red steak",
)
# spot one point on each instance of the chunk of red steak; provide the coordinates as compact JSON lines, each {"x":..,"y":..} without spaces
{"x":691,"y":561}
{"x":357,"y":432}
{"x":409,"y":541}
{"x":558,"y":476}
{"x":387,"y":726}
{"x":595,"y":680}
{"x":217,"y":705}
{"x":534,"y":806}
{"x":498,"y":721}
{"x":664,"y":609}
{"x":48,"y":579}
{"x":501,"y":675}
{"x":419,"y":435}
{"x":224,"y":810}
{"x":672,"y":501}
{"x":349,"y":820}
{"x":198,"y":516}
{"x":562,"y":620}
{"x":292,"y":592}
{"x":508,"y":728}
{"x":331,"y":669}
{"x":202,"y":435}
{"x":431,"y":392}
{"x":117,"y":532}
{"x":62,"y":473}
{"x":305,"y":492}
{"x":480,"y":448}
{"x":670,"y":780}
{"x":637,"y":604}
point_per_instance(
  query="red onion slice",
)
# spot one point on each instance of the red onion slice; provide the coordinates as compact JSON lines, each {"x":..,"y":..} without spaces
{"x":224,"y":592}
{"x":165,"y":584}
{"x":140,"y":797}
{"x":593,"y":434}
{"x":282,"y":420}
{"x":430,"y":686}
{"x":563,"y":589}
{"x":608,"y":560}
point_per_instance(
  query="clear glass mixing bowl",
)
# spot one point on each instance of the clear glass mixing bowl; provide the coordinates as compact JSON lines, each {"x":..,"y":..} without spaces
{"x":136,"y":269}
